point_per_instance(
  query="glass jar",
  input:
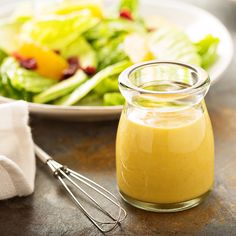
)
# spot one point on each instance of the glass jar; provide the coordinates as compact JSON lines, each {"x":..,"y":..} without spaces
{"x":165,"y":145}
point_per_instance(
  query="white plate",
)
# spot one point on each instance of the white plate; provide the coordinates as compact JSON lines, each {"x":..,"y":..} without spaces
{"x":193,"y":20}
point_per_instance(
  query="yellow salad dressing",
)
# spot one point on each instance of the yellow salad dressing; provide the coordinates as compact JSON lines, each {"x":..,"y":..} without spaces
{"x":165,"y":158}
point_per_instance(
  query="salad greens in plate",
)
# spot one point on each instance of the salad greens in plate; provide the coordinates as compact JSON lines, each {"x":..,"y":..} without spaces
{"x":73,"y":51}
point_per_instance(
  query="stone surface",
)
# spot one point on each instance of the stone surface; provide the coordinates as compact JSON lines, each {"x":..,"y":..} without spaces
{"x":90,"y":149}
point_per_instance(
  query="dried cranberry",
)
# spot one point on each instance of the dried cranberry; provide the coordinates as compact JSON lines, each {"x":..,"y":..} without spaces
{"x":73,"y":61}
{"x":73,"y":67}
{"x":57,"y":51}
{"x":90,"y":70}
{"x":126,"y":14}
{"x":67,"y":73}
{"x":28,"y":63}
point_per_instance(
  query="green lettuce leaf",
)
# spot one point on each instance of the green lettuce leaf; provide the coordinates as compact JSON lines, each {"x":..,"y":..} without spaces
{"x":112,"y":53}
{"x":62,"y":88}
{"x":107,"y":39}
{"x":207,"y":49}
{"x":9,"y":35}
{"x":58,"y":31}
{"x":82,"y":49}
{"x":92,"y":99}
{"x":90,"y":84}
{"x":21,"y":83}
{"x":109,"y":28}
{"x":109,"y":84}
{"x":3,"y":55}
{"x":113,"y":99}
{"x":173,"y":44}
{"x":10,"y":27}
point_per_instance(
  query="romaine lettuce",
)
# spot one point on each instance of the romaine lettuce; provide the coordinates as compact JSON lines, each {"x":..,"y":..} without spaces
{"x":83,"y":50}
{"x":109,"y":28}
{"x":58,"y":31}
{"x":110,"y":84}
{"x":173,"y":44}
{"x":207,"y":49}
{"x":113,"y":99}
{"x":62,"y":88}
{"x":90,"y":84}
{"x":21,"y":83}
{"x":9,"y":35}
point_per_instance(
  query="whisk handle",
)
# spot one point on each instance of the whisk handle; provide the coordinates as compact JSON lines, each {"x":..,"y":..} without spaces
{"x":43,"y":156}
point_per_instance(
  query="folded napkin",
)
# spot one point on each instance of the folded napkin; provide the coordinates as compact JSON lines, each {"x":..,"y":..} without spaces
{"x":17,"y":160}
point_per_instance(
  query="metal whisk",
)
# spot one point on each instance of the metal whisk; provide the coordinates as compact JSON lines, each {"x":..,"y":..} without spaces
{"x":63,"y":174}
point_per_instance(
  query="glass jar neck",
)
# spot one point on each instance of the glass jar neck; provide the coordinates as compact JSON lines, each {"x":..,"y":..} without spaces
{"x":163,"y":86}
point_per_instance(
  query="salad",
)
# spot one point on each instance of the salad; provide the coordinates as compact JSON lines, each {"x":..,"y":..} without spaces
{"x":72,"y":52}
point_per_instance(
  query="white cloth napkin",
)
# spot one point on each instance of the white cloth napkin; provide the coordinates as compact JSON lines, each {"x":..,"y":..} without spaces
{"x":17,"y":159}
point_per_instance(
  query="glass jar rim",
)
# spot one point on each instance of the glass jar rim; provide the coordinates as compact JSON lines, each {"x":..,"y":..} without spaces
{"x":202,"y":82}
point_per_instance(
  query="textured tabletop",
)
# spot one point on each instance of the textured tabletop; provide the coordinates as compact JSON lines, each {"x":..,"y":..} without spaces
{"x":90,"y":149}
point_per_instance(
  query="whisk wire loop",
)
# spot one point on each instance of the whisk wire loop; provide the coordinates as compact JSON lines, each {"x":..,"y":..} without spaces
{"x":64,"y":174}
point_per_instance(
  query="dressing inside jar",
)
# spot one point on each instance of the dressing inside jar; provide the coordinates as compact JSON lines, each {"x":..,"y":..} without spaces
{"x":165,"y":145}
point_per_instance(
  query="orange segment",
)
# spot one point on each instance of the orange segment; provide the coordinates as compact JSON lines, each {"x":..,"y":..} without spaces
{"x":49,"y":63}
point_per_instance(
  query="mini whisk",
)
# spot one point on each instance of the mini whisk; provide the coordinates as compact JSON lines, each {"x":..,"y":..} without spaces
{"x":63,"y":174}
